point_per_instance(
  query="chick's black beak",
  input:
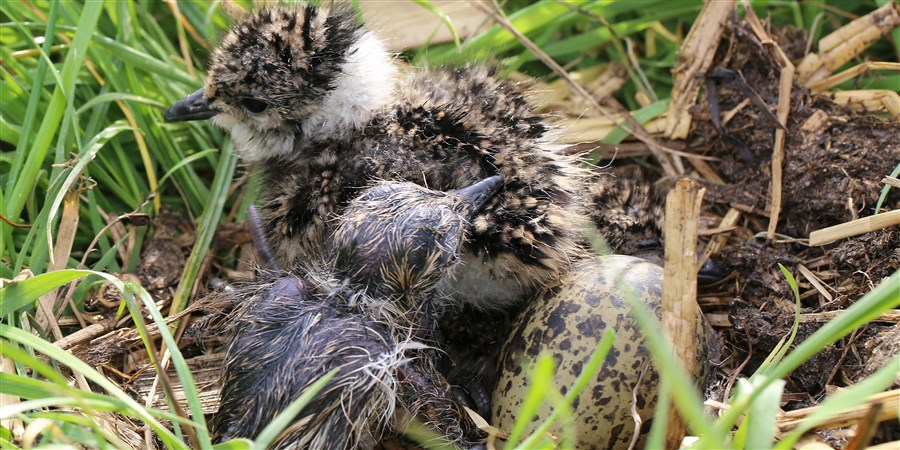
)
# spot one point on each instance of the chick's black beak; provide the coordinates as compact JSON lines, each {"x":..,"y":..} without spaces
{"x":194,"y":107}
{"x":479,"y":193}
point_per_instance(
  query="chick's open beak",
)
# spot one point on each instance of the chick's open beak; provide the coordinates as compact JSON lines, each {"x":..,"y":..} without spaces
{"x":194,"y":107}
{"x":479,"y":193}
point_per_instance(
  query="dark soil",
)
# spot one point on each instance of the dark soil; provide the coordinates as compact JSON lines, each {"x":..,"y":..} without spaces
{"x":834,"y":160}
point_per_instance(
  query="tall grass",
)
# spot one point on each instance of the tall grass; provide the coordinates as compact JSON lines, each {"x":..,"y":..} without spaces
{"x":81,"y":136}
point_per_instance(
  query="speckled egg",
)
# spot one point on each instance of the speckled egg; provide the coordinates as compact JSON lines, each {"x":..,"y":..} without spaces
{"x":567,"y":321}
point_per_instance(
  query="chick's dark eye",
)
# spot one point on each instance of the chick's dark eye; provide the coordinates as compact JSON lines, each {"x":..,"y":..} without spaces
{"x":254,"y":105}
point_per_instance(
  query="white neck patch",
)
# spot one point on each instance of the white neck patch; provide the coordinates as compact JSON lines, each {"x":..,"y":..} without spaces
{"x":252,"y":145}
{"x":365,"y":85}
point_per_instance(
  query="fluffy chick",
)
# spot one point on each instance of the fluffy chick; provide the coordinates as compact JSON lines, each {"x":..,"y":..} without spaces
{"x":315,"y":102}
{"x":364,"y":311}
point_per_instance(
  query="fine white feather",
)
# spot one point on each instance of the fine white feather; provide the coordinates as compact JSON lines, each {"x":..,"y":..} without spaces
{"x":365,"y":85}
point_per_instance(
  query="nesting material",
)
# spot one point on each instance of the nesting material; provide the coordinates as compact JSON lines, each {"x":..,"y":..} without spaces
{"x":679,"y":303}
{"x":890,"y":407}
{"x":695,"y":57}
{"x":846,"y":43}
{"x":855,"y":228}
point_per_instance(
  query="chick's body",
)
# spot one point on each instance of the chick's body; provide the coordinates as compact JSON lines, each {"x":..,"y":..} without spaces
{"x":316,"y":103}
{"x":365,"y":310}
{"x":432,"y":137}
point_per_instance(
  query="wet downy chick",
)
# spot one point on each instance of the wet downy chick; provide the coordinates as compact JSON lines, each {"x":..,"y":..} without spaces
{"x":291,"y":329}
{"x":315,"y":102}
{"x":396,"y":241}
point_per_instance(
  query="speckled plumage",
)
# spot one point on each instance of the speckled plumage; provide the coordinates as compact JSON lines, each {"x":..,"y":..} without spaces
{"x":319,"y":108}
{"x":290,"y":329}
{"x":338,"y":114}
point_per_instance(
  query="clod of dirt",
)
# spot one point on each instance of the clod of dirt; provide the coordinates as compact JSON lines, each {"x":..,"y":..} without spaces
{"x":880,"y":350}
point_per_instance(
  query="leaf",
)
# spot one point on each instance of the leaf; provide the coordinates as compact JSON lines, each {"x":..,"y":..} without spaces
{"x":844,"y":399}
{"x":761,"y":417}
{"x":540,"y":382}
{"x":19,"y":294}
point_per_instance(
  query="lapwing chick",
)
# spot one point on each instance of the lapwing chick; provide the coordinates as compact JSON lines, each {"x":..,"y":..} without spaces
{"x":319,"y":108}
{"x":367,"y":311}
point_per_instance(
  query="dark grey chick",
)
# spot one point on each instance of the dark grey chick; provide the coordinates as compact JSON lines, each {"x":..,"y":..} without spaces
{"x":393,"y":245}
{"x":318,"y":106}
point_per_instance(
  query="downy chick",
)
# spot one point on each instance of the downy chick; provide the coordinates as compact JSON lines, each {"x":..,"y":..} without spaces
{"x":290,"y":329}
{"x":315,"y":103}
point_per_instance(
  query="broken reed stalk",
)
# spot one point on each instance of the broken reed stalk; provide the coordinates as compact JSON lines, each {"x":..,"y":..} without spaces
{"x":680,"y":309}
{"x":785,"y":85}
{"x":847,"y":42}
{"x":855,"y":227}
{"x":695,"y":56}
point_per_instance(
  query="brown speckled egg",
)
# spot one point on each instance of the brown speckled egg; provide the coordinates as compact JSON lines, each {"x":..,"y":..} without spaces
{"x":567,"y":321}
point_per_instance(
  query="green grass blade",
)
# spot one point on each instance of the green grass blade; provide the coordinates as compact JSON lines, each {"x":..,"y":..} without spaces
{"x":844,"y":399}
{"x":17,"y":295}
{"x":32,"y":108}
{"x":284,"y":418}
{"x":207,"y":227}
{"x":51,"y":121}
{"x":54,"y":352}
{"x":763,"y":411}
{"x":541,"y":380}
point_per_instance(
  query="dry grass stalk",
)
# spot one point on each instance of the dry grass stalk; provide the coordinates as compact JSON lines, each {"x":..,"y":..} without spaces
{"x":556,"y":95}
{"x":785,"y":85}
{"x":12,"y":424}
{"x":865,"y":428}
{"x":680,"y":309}
{"x":404,"y":26}
{"x":815,"y":281}
{"x":694,"y":58}
{"x":85,"y":334}
{"x":633,"y":126}
{"x":838,"y":78}
{"x":847,"y":42}
{"x":59,"y":258}
{"x":733,"y":111}
{"x":592,"y":129}
{"x":890,"y":316}
{"x":889,"y":400}
{"x":870,"y":100}
{"x":706,"y":170}
{"x":855,"y":227}
{"x":889,"y":180}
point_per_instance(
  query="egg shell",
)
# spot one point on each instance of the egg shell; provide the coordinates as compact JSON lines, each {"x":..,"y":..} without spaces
{"x":568,"y":321}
